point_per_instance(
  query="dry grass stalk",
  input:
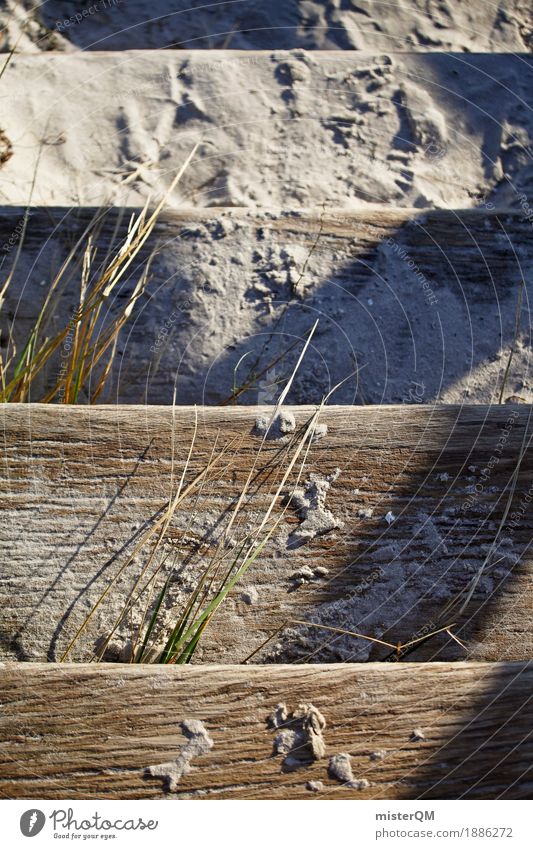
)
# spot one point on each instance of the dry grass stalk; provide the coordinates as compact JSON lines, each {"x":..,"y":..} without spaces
{"x":88,"y":340}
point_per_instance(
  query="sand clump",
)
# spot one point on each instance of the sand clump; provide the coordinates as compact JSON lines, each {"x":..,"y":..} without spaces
{"x":307,"y":575}
{"x":310,"y":503}
{"x":281,"y":426}
{"x":340,"y":768}
{"x":250,"y":595}
{"x":300,"y":734}
{"x":199,"y":743}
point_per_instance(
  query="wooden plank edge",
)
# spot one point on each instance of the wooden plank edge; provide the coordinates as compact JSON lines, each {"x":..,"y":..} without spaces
{"x":442,"y":730}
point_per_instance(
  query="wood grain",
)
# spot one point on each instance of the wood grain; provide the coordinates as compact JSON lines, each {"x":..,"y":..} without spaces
{"x":442,"y":284}
{"x":83,"y":732}
{"x":79,"y":485}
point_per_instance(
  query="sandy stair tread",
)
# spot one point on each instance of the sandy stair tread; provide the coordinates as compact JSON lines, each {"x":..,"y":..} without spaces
{"x":365,"y":25}
{"x":397,"y":516}
{"x":329,"y":732}
{"x":423,"y":303}
{"x":278,"y":129}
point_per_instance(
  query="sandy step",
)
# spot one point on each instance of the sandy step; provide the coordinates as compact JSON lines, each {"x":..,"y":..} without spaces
{"x":423,"y":304}
{"x":361,"y":25}
{"x":399,"y":509}
{"x":410,"y":732}
{"x":277,"y":129}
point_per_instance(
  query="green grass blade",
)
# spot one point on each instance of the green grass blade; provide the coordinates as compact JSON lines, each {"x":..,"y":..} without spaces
{"x":153,"y":620}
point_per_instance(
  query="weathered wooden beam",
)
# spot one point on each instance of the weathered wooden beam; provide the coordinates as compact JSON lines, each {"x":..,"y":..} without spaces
{"x":419,"y":731}
{"x":398,"y":511}
{"x":423,"y":303}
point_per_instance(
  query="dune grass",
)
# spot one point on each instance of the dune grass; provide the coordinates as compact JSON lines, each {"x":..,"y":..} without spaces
{"x":164,"y":632}
{"x":83,"y":351}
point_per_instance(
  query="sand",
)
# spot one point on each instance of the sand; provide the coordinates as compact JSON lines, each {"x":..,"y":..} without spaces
{"x":266,"y":24}
{"x":277,"y":130}
{"x":220,"y":290}
{"x":301,"y":109}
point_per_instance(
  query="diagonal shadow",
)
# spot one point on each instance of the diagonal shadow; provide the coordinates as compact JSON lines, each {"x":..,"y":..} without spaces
{"x":375,"y":312}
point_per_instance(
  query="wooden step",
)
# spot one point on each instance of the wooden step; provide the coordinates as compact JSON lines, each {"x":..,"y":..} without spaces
{"x":365,"y":25}
{"x":438,"y":731}
{"x":405,"y":512}
{"x":277,"y":129}
{"x":423,"y":304}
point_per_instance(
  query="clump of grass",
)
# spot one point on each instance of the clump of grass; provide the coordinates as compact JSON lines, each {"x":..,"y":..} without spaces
{"x":151,"y":542}
{"x":168,"y":633}
{"x":87,"y":344}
